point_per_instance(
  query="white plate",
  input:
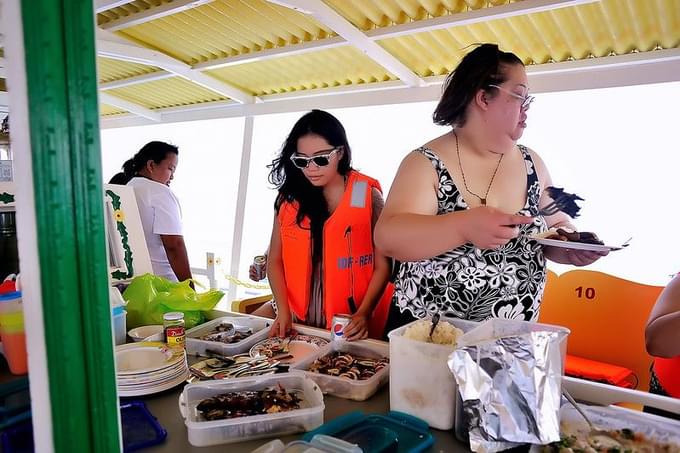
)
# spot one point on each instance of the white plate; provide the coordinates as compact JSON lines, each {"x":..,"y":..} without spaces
{"x":301,"y":347}
{"x":144,"y":357}
{"x":155,"y":389}
{"x":575,"y":245}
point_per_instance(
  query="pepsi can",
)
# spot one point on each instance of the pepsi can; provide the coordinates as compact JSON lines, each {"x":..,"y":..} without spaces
{"x":338,"y":325}
{"x":260,"y":263}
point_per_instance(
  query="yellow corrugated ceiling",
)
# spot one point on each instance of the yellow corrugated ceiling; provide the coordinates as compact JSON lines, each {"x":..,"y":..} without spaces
{"x":322,"y":69}
{"x":109,"y":70}
{"x":225,"y":28}
{"x":596,"y":29}
{"x":172,"y":92}
{"x":367,"y":15}
{"x":209,"y":32}
{"x":109,"y":110}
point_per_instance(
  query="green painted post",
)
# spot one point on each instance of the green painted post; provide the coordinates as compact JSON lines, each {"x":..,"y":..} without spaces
{"x":64,"y":135}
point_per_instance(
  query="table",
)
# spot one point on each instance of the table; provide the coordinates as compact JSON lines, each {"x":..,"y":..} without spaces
{"x":164,"y":406}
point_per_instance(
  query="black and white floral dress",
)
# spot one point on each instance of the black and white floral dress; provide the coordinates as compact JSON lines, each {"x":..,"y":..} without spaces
{"x":468,"y":282}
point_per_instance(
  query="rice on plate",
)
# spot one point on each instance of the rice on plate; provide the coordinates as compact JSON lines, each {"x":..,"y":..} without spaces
{"x":444,"y":333}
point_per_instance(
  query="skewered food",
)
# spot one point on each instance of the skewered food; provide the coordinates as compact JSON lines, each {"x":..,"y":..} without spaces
{"x":246,"y":403}
{"x":347,"y":365}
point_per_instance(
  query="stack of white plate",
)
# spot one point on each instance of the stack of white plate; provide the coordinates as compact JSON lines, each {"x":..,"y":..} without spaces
{"x":149,"y":367}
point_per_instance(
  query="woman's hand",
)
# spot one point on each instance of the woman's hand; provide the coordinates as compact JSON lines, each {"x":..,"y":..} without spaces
{"x":357,"y":329}
{"x":583,"y":257}
{"x":283,"y":324}
{"x":488,"y":228}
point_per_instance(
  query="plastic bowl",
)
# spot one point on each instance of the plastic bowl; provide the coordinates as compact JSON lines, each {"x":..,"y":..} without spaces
{"x":143,"y":332}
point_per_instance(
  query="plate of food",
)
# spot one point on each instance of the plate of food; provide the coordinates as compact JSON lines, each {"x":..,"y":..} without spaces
{"x":575,"y":240}
{"x":289,"y":349}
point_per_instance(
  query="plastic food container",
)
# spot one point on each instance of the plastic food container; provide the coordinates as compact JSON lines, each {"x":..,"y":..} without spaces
{"x":203,"y":433}
{"x":196,"y":346}
{"x":358,"y":390}
{"x":378,"y":433}
{"x":421,"y":383}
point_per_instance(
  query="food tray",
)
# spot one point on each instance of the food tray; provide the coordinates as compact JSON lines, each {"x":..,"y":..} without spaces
{"x":653,"y":427}
{"x":421,"y":383}
{"x":203,"y":433}
{"x":341,"y":387}
{"x":196,"y":346}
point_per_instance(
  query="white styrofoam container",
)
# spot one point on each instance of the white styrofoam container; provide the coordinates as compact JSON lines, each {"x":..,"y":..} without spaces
{"x":421,"y":383}
{"x":196,"y":346}
{"x":344,"y":387}
{"x":203,"y":433}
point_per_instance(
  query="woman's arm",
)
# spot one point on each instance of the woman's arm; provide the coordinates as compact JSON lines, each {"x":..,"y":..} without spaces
{"x":382,"y":267}
{"x":410,"y":230}
{"x":277,"y":282}
{"x":662,"y":333}
{"x":176,"y":250}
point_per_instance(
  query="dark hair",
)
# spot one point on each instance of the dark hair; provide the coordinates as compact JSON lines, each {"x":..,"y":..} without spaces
{"x":292,"y":183}
{"x":156,"y":151}
{"x":480,"y":68}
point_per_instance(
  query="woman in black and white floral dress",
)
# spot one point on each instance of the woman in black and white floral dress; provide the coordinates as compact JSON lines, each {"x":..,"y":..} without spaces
{"x":461,"y":209}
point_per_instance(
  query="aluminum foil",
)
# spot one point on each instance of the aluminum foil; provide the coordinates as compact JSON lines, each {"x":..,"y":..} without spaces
{"x":510,"y":389}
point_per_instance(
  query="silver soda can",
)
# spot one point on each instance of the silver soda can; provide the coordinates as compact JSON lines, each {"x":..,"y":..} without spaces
{"x":260,"y":264}
{"x":338,"y":326}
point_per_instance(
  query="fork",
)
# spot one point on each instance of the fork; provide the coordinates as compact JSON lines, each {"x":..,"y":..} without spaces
{"x":562,"y":201}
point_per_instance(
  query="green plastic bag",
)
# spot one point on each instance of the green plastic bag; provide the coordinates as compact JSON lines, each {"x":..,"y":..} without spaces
{"x":149,"y":297}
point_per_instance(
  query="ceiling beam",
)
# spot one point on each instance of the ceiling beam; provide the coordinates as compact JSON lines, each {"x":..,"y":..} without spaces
{"x":506,"y":11}
{"x":122,"y":83}
{"x":118,"y":50}
{"x":329,"y":17}
{"x":165,"y":9}
{"x":605,"y":72}
{"x":104,"y":5}
{"x":131,"y":107}
{"x":436,"y":23}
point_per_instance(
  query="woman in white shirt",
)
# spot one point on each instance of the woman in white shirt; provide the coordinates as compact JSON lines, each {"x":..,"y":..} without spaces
{"x":149,"y":172}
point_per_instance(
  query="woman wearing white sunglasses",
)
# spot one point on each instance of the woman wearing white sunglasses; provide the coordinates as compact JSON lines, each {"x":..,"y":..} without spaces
{"x":462,"y":207}
{"x":322,"y":260}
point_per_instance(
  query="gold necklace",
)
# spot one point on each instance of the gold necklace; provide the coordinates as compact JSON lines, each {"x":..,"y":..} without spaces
{"x":460,"y":165}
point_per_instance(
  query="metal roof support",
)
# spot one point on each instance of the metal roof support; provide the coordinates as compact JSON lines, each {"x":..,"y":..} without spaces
{"x":436,"y":23}
{"x":239,"y":216}
{"x":131,"y":107}
{"x":327,"y":16}
{"x":122,"y":83}
{"x":474,"y":16}
{"x":164,"y":9}
{"x":623,"y":70}
{"x":104,"y":5}
{"x":118,"y":50}
{"x":62,"y":246}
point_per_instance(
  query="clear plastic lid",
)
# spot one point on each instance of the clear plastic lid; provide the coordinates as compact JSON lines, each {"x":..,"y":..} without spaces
{"x":173,"y":316}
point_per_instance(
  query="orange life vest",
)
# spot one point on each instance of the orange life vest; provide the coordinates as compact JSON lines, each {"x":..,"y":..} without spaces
{"x":348,"y":256}
{"x":668,"y":373}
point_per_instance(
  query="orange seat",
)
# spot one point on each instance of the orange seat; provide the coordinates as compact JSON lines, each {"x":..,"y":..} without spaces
{"x":607,"y":316}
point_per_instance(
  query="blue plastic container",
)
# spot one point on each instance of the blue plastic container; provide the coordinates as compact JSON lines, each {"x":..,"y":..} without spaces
{"x":395,"y":432}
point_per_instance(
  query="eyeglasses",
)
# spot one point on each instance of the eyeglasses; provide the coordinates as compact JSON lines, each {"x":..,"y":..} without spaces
{"x":320,"y":160}
{"x":526,"y":100}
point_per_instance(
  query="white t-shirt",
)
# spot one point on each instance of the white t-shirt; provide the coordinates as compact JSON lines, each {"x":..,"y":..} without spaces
{"x":160,"y":213}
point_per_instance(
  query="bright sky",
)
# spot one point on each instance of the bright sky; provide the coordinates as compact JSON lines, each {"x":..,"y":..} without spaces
{"x":615,"y":147}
